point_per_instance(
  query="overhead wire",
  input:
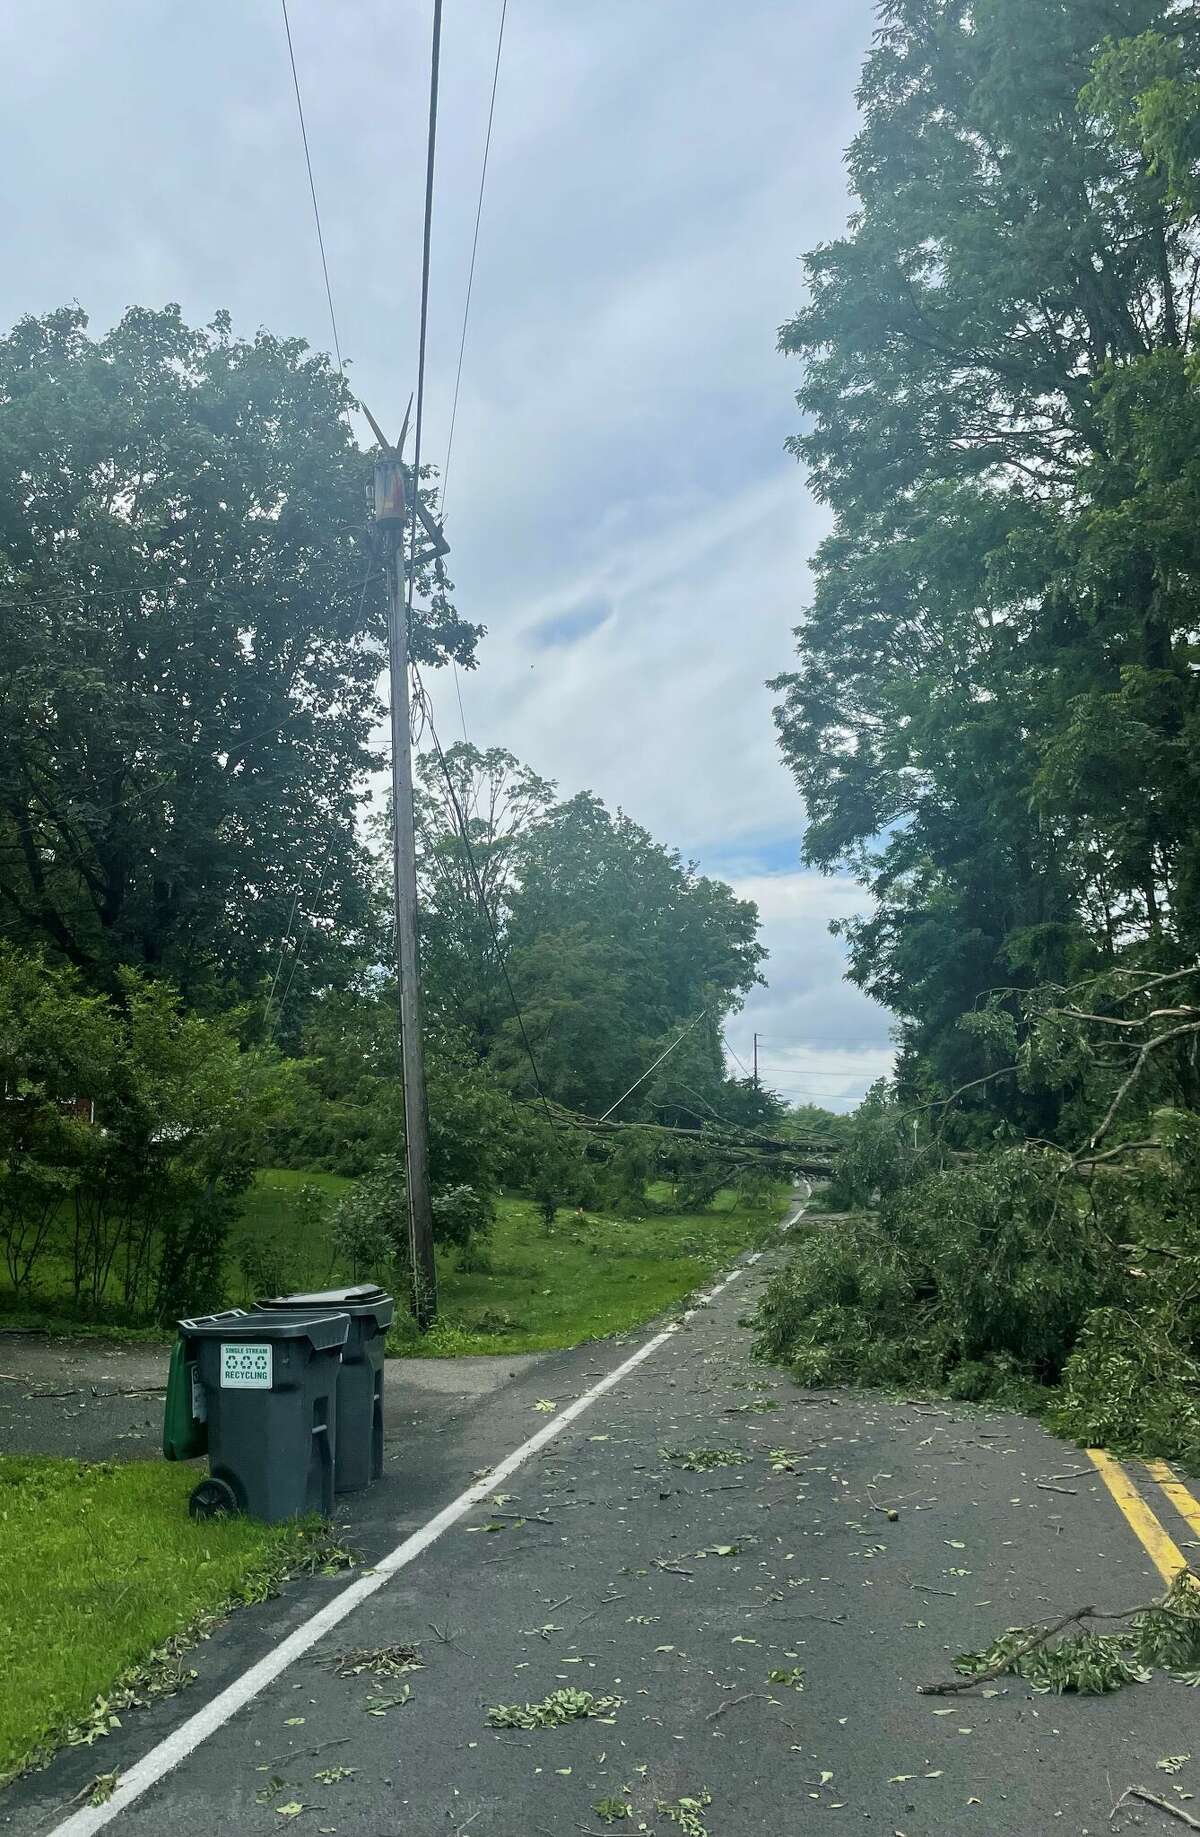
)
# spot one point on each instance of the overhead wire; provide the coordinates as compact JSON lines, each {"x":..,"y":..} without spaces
{"x":430,"y":157}
{"x":650,"y":1068}
{"x":462,"y":343}
{"x":287,"y":26}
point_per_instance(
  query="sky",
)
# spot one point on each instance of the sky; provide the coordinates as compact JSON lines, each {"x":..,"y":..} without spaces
{"x":623,"y":516}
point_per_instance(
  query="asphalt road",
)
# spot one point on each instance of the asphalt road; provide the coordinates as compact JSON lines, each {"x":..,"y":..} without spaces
{"x":642,"y":1574}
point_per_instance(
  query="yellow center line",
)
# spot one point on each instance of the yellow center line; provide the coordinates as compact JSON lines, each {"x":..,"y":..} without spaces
{"x":1163,"y":1552}
{"x":1183,"y":1501}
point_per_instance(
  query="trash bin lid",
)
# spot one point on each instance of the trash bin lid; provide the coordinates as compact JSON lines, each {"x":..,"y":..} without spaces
{"x":371,"y":1310}
{"x":322,"y":1329}
{"x":365,"y":1292}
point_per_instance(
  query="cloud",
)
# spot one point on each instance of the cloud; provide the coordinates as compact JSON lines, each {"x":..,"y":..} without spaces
{"x":569,"y":627}
{"x":820,"y":1039}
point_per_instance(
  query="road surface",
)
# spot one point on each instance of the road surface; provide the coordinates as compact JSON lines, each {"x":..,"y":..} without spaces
{"x":700,"y":1542}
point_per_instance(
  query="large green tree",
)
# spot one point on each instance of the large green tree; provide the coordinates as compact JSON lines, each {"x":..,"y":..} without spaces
{"x":995,"y":715}
{"x":189,"y":653}
{"x":611,"y":941}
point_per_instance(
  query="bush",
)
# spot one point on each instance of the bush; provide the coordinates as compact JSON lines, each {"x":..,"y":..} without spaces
{"x":265,"y":1266}
{"x":128,"y":1133}
{"x":368,"y":1227}
{"x":369,"y":1224}
{"x":462,"y":1214}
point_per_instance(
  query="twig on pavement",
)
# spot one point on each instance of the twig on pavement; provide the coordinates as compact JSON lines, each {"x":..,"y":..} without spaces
{"x":951,"y":1686}
{"x":731,"y":1703}
{"x":1152,"y":1798}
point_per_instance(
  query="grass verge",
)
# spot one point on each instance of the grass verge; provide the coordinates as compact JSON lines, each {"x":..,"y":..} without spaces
{"x":104,"y":1581}
{"x":528,"y":1289}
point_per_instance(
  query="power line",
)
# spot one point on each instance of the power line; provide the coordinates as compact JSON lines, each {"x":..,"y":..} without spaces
{"x":434,"y":69}
{"x":287,"y":26}
{"x":825,"y":1039}
{"x":462,"y":343}
{"x":662,"y":1055}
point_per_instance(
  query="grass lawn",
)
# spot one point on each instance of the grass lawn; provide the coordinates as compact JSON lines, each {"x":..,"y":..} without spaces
{"x":99,"y":1566}
{"x":591,"y":1276}
{"x":526,"y":1290}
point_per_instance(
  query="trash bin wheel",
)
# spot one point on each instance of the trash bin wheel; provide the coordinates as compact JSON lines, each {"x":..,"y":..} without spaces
{"x":212,"y":1499}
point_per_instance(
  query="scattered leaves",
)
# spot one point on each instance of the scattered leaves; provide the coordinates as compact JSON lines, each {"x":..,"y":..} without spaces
{"x":376,"y":1661}
{"x":703,"y":1460}
{"x":379,"y":1706}
{"x":685,"y":1813}
{"x":559,"y":1707}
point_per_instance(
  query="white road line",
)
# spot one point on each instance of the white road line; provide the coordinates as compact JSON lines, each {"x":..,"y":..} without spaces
{"x":190,"y":1734}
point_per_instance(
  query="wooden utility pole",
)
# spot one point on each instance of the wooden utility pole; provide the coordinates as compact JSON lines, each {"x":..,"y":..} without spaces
{"x":756,"y":1062}
{"x":391,"y":513}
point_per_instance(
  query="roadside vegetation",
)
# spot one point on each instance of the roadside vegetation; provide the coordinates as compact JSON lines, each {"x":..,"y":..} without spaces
{"x":190,"y":994}
{"x":105,"y":1582}
{"x":528,"y":1286}
{"x":993,"y":716}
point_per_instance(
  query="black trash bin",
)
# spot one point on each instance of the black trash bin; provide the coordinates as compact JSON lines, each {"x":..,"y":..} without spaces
{"x":360,"y":1384}
{"x":269,"y":1387}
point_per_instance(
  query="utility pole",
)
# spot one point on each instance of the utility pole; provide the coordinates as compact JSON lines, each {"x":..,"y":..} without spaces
{"x":756,"y":1064}
{"x":391,"y":519}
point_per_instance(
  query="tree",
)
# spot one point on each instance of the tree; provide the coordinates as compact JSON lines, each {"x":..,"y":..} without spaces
{"x":611,"y":942}
{"x":189,"y":653}
{"x":498,"y":801}
{"x":995,"y":713}
{"x":615,"y":943}
{"x":129,"y":1131}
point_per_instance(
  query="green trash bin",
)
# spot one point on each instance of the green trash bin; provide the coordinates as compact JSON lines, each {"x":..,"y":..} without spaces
{"x":268,"y":1385}
{"x":185,"y":1415}
{"x":360,"y":1382}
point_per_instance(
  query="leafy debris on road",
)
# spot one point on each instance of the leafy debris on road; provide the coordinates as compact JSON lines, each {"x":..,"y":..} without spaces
{"x":612,"y":1809}
{"x":703,"y":1460}
{"x":1161,"y":1635}
{"x":379,"y":1706}
{"x":685,"y":1813}
{"x":378,"y":1661}
{"x":559,"y":1707}
{"x":102,"y":1787}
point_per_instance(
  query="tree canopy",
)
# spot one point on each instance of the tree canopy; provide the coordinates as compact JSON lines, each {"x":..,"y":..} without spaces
{"x":612,"y":942}
{"x":189,"y":652}
{"x":994,"y":716}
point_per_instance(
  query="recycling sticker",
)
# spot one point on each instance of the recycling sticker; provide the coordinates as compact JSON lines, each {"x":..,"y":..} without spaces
{"x":245,"y":1365}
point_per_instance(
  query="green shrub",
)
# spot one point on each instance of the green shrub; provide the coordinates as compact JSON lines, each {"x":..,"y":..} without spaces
{"x":369,"y":1224}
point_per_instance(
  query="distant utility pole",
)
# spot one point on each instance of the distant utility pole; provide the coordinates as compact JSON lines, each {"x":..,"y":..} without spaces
{"x":756,"y":1063}
{"x":391,"y":514}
